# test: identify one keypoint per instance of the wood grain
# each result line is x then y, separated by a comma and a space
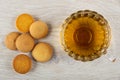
61, 67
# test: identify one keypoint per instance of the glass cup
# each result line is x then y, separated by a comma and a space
85, 35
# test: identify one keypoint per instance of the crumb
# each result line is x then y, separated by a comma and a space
114, 60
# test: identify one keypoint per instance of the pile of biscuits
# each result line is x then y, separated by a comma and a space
24, 41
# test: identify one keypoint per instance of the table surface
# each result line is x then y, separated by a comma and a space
61, 66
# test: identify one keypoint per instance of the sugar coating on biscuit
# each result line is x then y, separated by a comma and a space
42, 52
25, 42
22, 63
10, 40
23, 22
38, 29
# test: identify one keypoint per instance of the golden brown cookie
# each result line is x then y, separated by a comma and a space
25, 42
22, 63
10, 40
23, 22
38, 29
42, 52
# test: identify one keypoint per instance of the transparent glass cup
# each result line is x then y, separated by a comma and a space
85, 35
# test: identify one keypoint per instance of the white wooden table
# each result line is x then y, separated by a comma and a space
61, 67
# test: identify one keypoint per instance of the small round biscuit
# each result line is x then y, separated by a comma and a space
42, 52
23, 22
10, 40
38, 29
22, 63
25, 42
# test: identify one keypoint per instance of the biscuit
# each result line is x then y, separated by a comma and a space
22, 63
25, 42
23, 22
42, 52
38, 29
10, 40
